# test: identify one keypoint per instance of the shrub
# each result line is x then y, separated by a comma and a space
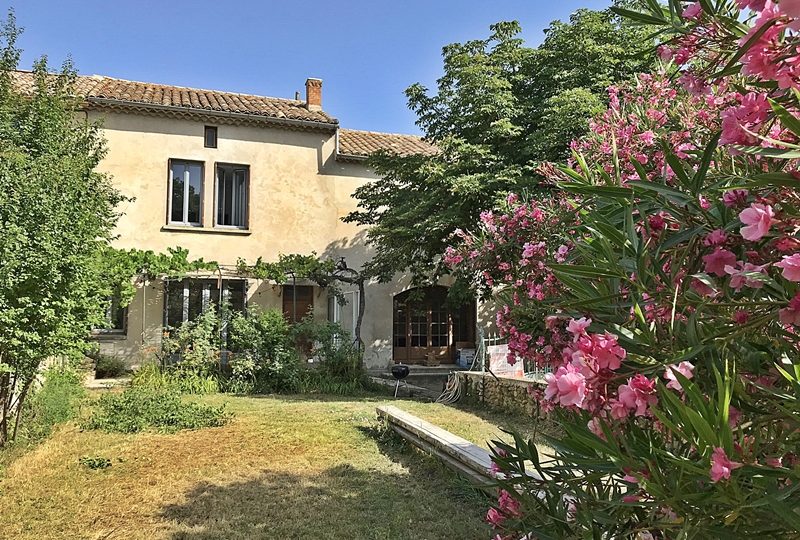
153, 375
670, 309
194, 346
108, 367
261, 359
56, 401
341, 370
140, 408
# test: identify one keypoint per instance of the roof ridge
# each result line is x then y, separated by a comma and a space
383, 133
193, 88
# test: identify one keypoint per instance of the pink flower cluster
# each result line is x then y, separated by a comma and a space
654, 110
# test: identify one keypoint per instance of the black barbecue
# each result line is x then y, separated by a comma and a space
399, 372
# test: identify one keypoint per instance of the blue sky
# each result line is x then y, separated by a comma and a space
366, 52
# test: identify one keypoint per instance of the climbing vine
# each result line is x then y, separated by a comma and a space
324, 272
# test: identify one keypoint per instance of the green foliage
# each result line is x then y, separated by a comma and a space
124, 269
55, 402
139, 409
153, 375
56, 217
304, 266
109, 367
500, 108
341, 368
263, 358
567, 116
95, 463
194, 346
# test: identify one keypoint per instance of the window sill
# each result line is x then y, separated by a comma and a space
206, 230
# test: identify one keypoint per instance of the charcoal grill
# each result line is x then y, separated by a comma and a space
400, 372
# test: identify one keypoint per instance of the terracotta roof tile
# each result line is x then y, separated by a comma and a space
360, 144
143, 94
353, 144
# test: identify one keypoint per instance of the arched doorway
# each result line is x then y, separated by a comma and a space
424, 324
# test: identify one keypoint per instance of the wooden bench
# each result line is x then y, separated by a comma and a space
466, 458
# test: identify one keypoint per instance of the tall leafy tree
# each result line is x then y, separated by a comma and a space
56, 216
499, 110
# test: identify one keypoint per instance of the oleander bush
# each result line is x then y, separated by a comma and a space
660, 281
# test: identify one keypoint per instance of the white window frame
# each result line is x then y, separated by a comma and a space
217, 201
337, 310
185, 221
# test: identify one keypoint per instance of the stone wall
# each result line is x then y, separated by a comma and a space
501, 393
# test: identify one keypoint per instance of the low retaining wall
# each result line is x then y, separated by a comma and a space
507, 394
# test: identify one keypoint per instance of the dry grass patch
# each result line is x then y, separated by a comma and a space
283, 468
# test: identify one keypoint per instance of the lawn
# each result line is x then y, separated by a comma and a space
285, 467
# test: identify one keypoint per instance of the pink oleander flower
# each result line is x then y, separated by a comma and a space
452, 257
739, 277
703, 289
740, 316
567, 386
721, 466
757, 220
495, 517
735, 197
791, 267
606, 351
754, 5
791, 313
684, 368
561, 253
618, 409
596, 427
716, 261
692, 11
638, 394
790, 8
648, 137
578, 327
508, 504
717, 237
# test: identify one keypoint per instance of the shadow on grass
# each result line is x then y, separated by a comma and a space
340, 502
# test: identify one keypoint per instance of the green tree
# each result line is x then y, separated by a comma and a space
499, 110
56, 215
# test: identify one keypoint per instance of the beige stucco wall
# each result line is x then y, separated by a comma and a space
298, 193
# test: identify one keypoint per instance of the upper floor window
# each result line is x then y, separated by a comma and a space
232, 187
210, 137
185, 192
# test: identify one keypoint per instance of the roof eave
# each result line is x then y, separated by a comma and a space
291, 123
352, 158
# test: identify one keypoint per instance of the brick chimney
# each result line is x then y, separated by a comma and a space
314, 94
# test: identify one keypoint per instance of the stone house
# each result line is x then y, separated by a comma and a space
228, 175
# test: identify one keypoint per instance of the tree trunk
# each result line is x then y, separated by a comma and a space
6, 395
20, 403
362, 303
